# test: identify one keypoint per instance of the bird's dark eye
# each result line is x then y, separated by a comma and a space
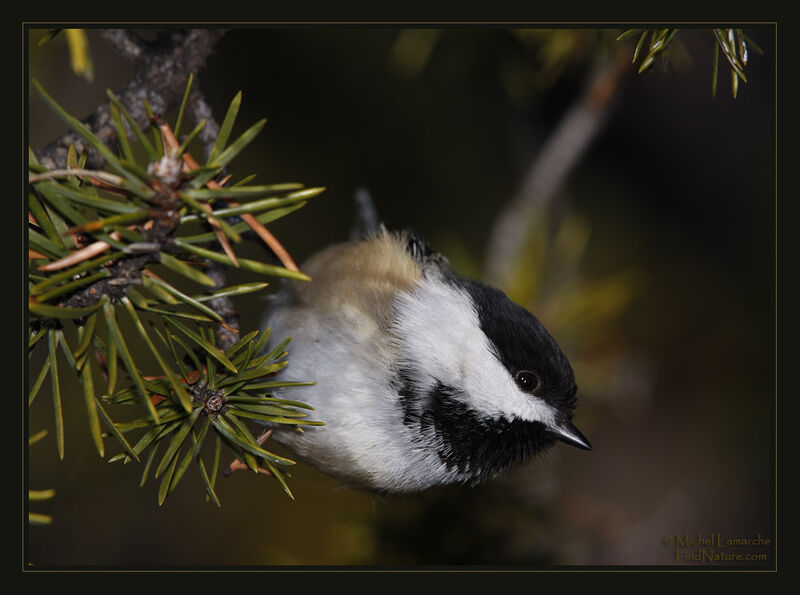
527, 381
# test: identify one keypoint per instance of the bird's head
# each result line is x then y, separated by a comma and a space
482, 375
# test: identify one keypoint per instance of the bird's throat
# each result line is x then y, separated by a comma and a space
473, 445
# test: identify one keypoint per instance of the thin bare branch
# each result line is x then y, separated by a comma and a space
547, 172
237, 465
200, 110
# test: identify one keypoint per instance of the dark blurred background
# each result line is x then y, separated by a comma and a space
653, 266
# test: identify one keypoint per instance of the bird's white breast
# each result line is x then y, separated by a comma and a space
339, 325
363, 441
369, 313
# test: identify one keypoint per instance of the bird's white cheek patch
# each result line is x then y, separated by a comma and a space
440, 337
494, 392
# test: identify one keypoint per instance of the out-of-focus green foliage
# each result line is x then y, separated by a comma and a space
548, 279
663, 43
35, 518
79, 53
412, 49
547, 53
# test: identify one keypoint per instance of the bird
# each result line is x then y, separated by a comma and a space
423, 377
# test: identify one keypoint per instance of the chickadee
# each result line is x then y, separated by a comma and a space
423, 377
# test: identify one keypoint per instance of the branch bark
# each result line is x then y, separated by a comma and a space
224, 307
124, 42
159, 77
200, 110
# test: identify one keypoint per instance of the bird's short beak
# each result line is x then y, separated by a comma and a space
568, 433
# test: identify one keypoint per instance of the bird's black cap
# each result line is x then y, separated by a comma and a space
521, 342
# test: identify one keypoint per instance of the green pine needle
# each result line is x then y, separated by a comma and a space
153, 154
179, 121
733, 43
56, 389
116, 337
203, 344
186, 270
68, 210
91, 408
179, 389
226, 127
185, 145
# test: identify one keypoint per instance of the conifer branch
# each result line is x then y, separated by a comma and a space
95, 239
160, 70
